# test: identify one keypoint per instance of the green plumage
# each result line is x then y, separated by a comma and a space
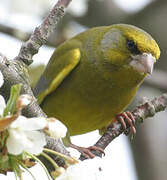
89, 80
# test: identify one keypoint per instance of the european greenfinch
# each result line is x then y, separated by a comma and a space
93, 76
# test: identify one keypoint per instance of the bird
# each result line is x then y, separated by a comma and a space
92, 77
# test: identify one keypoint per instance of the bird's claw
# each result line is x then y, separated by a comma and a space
86, 152
127, 116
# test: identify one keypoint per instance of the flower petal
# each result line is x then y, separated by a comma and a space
1, 79
16, 141
37, 123
38, 141
57, 129
2, 105
29, 124
88, 169
25, 99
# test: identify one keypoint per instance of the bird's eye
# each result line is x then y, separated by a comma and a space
132, 47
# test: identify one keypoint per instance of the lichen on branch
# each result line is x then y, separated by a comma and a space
42, 32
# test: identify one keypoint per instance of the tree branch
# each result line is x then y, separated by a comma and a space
140, 113
41, 33
15, 71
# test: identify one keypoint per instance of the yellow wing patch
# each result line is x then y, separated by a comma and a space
72, 58
67, 69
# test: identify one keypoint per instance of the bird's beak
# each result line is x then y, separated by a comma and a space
144, 63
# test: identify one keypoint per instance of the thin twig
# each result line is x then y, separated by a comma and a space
15, 71
148, 109
41, 33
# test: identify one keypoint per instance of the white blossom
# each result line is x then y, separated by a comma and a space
23, 135
85, 170
2, 105
56, 129
2, 101
25, 99
1, 79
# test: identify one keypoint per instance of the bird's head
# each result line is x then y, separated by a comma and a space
127, 45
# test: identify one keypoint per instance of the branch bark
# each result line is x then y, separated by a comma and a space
41, 33
15, 71
142, 112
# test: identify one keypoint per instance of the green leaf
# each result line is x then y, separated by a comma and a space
11, 104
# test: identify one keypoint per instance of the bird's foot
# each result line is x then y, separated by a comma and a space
86, 152
129, 118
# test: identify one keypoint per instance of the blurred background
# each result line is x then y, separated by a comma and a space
146, 156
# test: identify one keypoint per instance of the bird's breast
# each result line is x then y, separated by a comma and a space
87, 100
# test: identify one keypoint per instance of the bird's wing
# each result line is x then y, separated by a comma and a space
56, 71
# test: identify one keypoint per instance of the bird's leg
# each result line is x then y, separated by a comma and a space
86, 152
128, 117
